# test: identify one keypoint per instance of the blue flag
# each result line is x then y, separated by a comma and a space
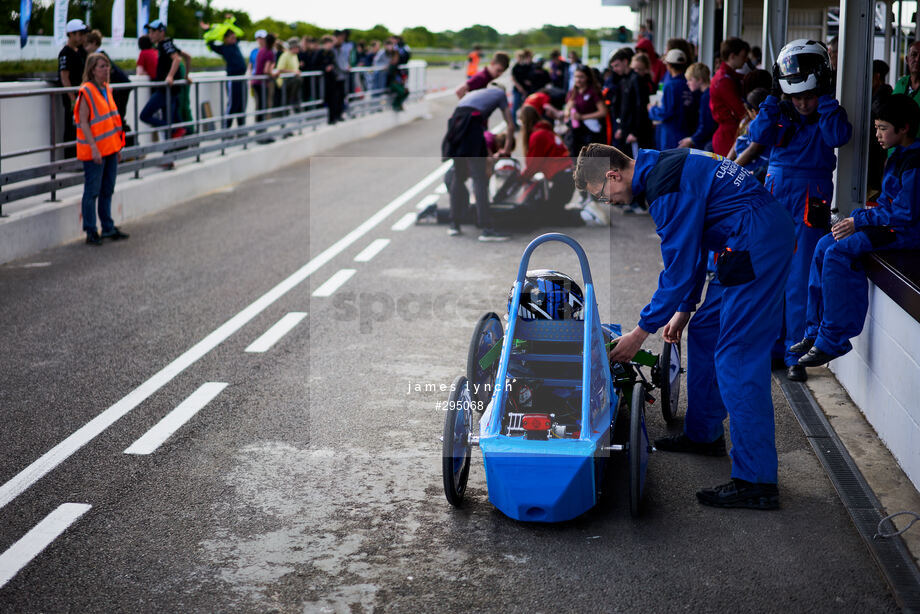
25, 16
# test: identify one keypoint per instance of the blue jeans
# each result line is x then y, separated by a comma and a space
99, 184
156, 107
517, 101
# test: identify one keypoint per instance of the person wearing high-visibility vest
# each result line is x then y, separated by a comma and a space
100, 139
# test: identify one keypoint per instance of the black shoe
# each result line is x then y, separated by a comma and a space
796, 373
803, 346
93, 238
428, 213
739, 493
115, 234
815, 358
777, 363
682, 443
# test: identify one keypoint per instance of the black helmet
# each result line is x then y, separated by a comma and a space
550, 295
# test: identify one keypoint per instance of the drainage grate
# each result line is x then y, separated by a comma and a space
891, 555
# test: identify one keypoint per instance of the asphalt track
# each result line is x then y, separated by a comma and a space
311, 481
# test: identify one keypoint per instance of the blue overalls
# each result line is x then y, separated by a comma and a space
837, 285
700, 203
800, 176
676, 102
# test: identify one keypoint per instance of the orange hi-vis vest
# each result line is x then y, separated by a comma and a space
104, 121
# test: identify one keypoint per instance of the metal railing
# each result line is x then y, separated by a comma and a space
206, 132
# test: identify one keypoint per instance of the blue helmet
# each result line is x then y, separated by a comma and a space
550, 295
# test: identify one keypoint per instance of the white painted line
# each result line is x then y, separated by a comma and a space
372, 250
173, 421
404, 222
334, 283
62, 451
38, 538
273, 334
431, 199
441, 189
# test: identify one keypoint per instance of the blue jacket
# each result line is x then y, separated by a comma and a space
705, 125
676, 99
899, 204
698, 201
802, 144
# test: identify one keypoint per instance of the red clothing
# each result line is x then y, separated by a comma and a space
148, 61
545, 152
538, 100
727, 107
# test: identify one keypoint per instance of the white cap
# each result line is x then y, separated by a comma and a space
76, 25
675, 56
261, 33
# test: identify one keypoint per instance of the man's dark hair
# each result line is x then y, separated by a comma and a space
623, 55
756, 79
501, 58
270, 40
595, 160
732, 46
880, 67
756, 54
144, 42
757, 96
900, 110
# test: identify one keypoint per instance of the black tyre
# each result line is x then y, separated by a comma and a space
669, 380
456, 448
638, 449
487, 334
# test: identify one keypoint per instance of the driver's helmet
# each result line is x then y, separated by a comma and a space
550, 295
506, 167
801, 66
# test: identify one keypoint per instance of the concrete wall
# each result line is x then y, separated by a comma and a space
49, 224
882, 376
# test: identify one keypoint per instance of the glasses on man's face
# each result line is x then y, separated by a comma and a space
601, 197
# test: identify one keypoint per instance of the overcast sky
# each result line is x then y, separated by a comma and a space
506, 16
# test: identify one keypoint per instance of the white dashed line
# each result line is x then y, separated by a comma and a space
431, 199
173, 421
40, 467
372, 250
273, 334
404, 222
334, 283
38, 538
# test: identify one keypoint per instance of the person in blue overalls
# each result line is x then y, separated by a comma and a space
803, 133
700, 203
673, 114
837, 286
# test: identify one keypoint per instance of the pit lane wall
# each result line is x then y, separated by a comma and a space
882, 376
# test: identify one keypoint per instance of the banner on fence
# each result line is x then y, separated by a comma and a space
164, 11
60, 23
25, 16
118, 21
143, 16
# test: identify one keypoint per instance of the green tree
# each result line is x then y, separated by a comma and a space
419, 37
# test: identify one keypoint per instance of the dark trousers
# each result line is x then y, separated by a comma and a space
70, 129
98, 186
335, 99
236, 102
154, 112
263, 100
474, 168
